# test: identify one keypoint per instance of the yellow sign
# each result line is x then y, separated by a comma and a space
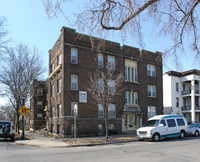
24, 110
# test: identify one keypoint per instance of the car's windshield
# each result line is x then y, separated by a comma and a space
151, 123
2, 124
193, 125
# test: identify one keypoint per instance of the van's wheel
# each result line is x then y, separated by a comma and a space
156, 137
182, 134
196, 133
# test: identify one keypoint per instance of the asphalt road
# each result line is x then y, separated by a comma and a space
170, 150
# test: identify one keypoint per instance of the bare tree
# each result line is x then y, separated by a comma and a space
21, 66
9, 113
176, 19
3, 34
105, 85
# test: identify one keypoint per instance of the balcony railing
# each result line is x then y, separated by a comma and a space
189, 108
197, 92
185, 108
185, 92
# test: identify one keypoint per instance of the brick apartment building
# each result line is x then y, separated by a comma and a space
72, 59
38, 101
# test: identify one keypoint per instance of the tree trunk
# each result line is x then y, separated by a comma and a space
106, 121
17, 125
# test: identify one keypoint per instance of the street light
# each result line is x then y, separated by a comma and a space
23, 123
75, 112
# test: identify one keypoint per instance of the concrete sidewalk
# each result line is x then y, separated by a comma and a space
38, 140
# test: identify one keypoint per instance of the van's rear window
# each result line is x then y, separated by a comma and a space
180, 122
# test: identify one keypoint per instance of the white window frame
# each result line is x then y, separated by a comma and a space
74, 82
59, 61
151, 70
100, 60
39, 116
100, 111
52, 112
100, 85
177, 87
131, 71
74, 55
111, 111
52, 91
59, 85
111, 62
59, 110
151, 111
39, 104
150, 90
131, 98
111, 87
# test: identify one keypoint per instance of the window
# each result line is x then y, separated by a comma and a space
177, 102
111, 111
111, 62
39, 92
100, 85
39, 116
72, 108
111, 127
74, 56
151, 111
131, 73
151, 91
163, 122
59, 129
59, 86
52, 112
74, 82
59, 110
39, 104
100, 111
131, 98
52, 67
100, 60
180, 122
111, 87
151, 70
100, 129
59, 59
52, 90
171, 123
177, 87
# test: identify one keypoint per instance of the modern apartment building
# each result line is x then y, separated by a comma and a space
38, 101
181, 93
71, 61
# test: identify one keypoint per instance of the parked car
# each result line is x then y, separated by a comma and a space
194, 129
7, 130
163, 126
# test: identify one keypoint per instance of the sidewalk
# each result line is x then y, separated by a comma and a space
38, 140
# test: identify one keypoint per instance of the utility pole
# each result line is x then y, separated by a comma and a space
23, 123
75, 112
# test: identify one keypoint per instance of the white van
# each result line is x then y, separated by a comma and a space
163, 126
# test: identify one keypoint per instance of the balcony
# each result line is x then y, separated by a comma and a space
185, 92
185, 108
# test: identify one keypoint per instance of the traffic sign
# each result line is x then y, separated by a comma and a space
24, 110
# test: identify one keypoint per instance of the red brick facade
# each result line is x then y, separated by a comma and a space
88, 48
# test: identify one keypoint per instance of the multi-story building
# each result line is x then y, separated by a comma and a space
71, 61
38, 101
181, 93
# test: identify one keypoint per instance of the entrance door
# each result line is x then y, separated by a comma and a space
131, 122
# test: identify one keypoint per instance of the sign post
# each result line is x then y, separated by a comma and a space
23, 111
75, 112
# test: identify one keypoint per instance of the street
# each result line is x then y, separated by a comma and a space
166, 150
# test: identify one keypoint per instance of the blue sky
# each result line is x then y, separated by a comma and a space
28, 23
